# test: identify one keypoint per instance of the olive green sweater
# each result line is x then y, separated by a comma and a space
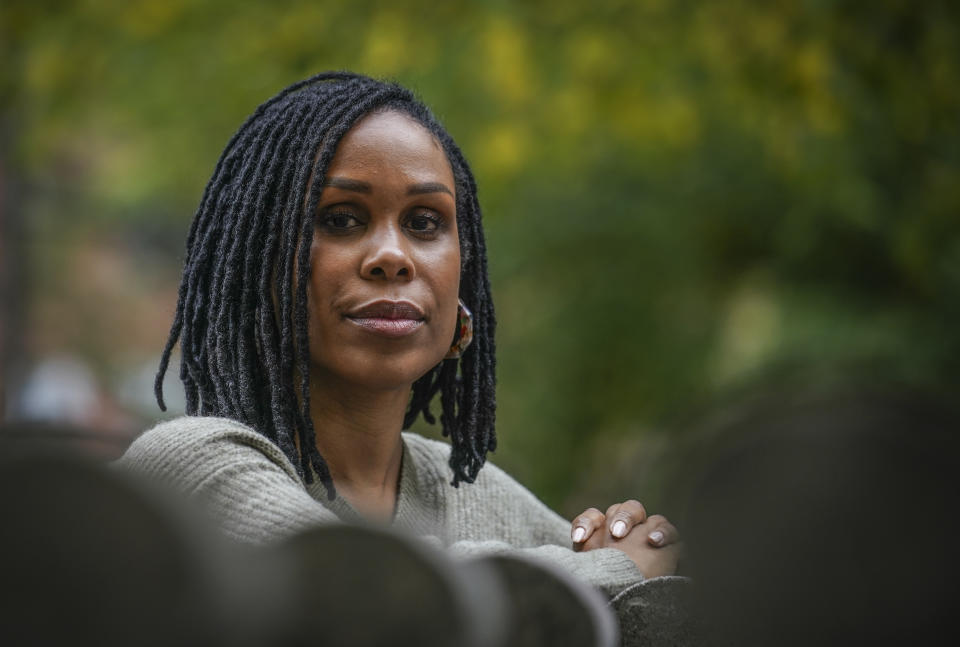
257, 497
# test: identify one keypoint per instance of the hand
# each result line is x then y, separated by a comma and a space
619, 521
651, 542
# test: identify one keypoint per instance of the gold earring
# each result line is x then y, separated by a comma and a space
464, 333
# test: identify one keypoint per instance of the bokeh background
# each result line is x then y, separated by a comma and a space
687, 203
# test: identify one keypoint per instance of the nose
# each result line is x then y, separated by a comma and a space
387, 256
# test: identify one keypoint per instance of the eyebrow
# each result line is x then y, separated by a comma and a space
359, 186
347, 184
428, 187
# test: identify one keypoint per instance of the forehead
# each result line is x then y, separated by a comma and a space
391, 142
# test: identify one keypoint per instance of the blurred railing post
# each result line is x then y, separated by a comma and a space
13, 271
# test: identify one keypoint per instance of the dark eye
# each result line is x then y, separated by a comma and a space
424, 223
338, 221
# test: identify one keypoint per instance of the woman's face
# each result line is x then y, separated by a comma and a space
385, 258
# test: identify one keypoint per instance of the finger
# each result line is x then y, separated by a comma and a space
611, 511
627, 515
661, 532
585, 525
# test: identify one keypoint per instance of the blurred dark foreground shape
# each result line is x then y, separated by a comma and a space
89, 557
351, 585
830, 521
547, 606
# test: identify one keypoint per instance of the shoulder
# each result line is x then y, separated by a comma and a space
189, 430
190, 447
435, 455
242, 478
426, 450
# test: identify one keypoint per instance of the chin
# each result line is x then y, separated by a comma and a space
379, 372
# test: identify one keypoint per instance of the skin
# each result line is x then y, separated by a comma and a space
652, 542
385, 229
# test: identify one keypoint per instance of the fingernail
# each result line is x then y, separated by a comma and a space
578, 534
619, 529
656, 536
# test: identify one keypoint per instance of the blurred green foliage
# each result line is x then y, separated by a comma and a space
684, 200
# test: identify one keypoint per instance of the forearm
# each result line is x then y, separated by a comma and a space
608, 570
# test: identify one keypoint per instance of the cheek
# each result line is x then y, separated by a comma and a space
447, 282
327, 265
449, 294
325, 269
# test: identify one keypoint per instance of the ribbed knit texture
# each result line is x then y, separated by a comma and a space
256, 496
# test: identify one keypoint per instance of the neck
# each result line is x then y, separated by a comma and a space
358, 434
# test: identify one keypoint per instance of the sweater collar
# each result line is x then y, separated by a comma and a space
416, 508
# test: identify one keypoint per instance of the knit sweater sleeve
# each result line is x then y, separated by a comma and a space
607, 569
242, 478
496, 514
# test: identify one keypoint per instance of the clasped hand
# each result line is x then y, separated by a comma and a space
651, 542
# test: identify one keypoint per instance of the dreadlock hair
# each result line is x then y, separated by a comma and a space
241, 317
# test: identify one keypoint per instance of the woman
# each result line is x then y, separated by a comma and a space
335, 281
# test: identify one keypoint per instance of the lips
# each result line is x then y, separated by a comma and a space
388, 318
